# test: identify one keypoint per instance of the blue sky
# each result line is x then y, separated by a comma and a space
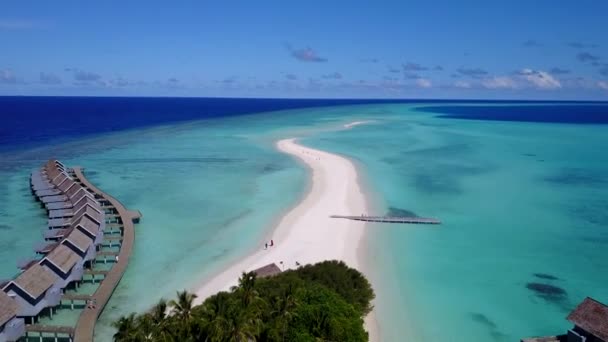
345, 49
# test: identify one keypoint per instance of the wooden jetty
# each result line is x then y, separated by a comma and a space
390, 219
86, 322
49, 329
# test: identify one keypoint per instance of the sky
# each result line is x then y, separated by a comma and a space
306, 49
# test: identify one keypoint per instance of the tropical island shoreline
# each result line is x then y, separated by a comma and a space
306, 234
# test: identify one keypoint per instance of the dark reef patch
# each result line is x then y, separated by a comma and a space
489, 324
577, 177
483, 319
269, 168
594, 212
185, 160
445, 150
550, 293
435, 184
5, 227
394, 211
545, 276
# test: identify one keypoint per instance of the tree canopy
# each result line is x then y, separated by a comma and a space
326, 301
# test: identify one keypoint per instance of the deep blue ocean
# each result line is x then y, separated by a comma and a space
31, 121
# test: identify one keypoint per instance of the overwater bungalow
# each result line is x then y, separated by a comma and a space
88, 210
74, 208
74, 195
65, 263
41, 184
11, 326
590, 319
91, 228
33, 290
81, 244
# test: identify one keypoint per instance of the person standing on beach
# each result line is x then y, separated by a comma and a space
271, 243
266, 245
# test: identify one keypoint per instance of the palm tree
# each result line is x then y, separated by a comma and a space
284, 308
246, 288
211, 317
128, 330
243, 325
182, 307
159, 311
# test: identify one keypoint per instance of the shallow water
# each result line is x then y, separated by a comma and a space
524, 214
517, 199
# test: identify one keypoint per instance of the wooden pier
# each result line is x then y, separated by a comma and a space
48, 329
86, 323
390, 219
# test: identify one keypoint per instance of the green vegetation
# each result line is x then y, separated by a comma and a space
322, 302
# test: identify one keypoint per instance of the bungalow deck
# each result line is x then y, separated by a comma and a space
88, 318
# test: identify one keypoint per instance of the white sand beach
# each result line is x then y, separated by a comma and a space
306, 234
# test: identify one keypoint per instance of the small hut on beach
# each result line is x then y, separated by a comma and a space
267, 271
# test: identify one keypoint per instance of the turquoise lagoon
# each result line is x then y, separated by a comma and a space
522, 204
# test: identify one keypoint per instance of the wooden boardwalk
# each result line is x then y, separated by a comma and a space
390, 219
86, 323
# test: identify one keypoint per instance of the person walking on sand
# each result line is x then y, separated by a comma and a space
271, 243
266, 245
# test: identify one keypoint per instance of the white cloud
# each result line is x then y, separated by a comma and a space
7, 76
603, 85
540, 79
9, 24
462, 84
423, 83
499, 82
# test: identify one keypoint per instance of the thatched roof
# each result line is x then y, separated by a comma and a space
35, 280
63, 257
592, 316
267, 271
79, 240
8, 308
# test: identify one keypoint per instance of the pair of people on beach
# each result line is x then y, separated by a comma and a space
271, 244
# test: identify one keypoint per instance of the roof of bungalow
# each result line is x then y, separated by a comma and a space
56, 179
8, 308
72, 191
65, 186
267, 271
592, 316
90, 212
86, 200
89, 225
80, 193
35, 280
53, 172
63, 257
79, 240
